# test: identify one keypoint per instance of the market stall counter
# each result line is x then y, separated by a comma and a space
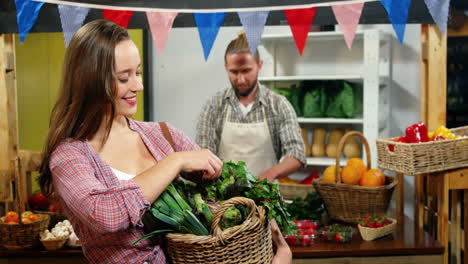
404, 245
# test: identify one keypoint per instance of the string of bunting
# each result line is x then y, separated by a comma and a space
209, 21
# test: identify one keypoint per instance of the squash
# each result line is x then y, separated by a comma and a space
351, 148
333, 140
318, 142
305, 138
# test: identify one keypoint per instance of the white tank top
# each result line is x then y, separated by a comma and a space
122, 175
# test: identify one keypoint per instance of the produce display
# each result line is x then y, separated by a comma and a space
355, 172
310, 208
307, 232
337, 233
375, 221
12, 217
187, 207
373, 227
338, 99
62, 233
326, 143
417, 133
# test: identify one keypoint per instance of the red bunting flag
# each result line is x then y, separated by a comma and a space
299, 21
121, 18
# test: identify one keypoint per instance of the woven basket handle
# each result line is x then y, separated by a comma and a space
215, 225
340, 148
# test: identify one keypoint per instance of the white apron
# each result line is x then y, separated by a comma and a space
249, 142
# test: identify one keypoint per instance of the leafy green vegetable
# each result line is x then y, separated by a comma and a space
286, 92
341, 102
231, 217
309, 208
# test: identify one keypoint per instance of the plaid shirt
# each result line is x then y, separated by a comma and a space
281, 118
104, 211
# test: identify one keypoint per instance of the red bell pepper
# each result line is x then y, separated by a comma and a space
308, 180
402, 139
416, 133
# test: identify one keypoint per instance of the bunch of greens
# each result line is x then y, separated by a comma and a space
309, 208
188, 207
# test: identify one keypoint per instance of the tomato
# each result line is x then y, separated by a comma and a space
11, 217
33, 217
38, 201
54, 207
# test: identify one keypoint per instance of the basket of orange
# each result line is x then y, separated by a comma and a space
22, 232
353, 192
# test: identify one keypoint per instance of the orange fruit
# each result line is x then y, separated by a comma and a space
329, 174
372, 178
358, 164
350, 175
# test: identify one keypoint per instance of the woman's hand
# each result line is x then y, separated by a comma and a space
283, 256
283, 252
201, 160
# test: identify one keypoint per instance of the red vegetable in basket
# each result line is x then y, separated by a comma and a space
416, 133
400, 139
308, 180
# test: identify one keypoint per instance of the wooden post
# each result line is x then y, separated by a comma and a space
433, 77
400, 200
8, 112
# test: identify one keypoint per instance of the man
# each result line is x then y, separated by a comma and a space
248, 122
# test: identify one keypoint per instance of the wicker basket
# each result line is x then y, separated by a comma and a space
369, 234
55, 217
418, 158
352, 203
289, 191
249, 242
20, 236
54, 244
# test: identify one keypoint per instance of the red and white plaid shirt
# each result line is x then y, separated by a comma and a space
104, 211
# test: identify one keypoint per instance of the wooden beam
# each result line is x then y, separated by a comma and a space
436, 78
8, 115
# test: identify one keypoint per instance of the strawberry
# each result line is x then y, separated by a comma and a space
306, 240
338, 237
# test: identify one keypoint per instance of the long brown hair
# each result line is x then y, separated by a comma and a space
87, 90
240, 45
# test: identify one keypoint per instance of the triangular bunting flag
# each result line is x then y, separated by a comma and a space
160, 24
72, 18
439, 10
121, 18
253, 23
397, 11
348, 18
208, 25
299, 21
27, 12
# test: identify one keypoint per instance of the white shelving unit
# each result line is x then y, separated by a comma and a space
326, 57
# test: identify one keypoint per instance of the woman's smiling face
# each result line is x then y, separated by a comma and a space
128, 78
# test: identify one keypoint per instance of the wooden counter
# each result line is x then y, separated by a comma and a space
403, 246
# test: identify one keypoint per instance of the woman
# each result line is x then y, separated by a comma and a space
106, 168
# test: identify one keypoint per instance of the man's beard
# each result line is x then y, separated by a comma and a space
245, 93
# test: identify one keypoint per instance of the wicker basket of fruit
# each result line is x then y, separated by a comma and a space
22, 232
355, 191
375, 227
421, 152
